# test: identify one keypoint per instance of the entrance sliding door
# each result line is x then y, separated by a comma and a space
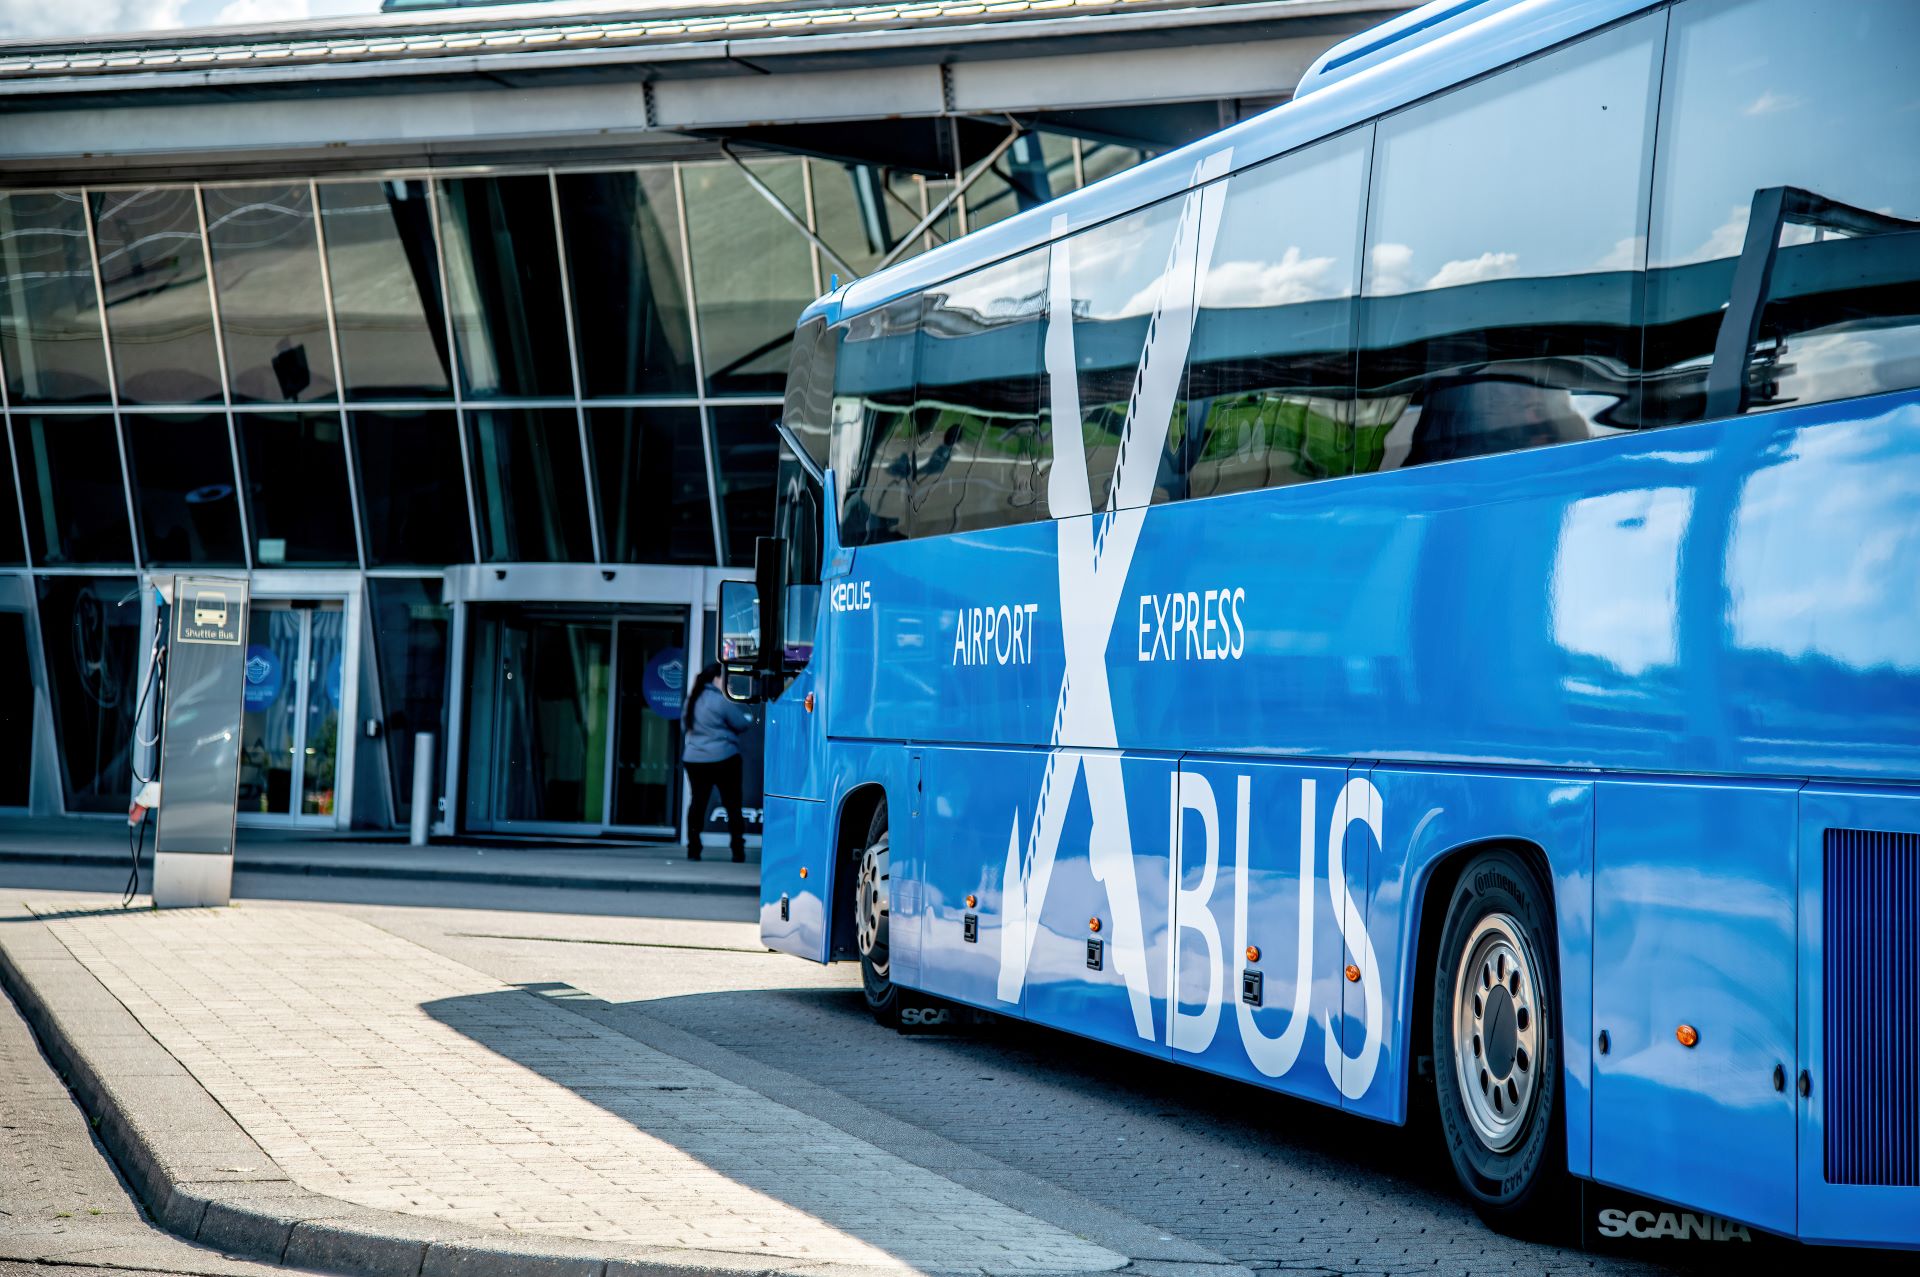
573, 726
290, 733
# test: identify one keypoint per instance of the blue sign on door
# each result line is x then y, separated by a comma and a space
664, 682
263, 677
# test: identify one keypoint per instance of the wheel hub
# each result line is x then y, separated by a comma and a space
1497, 1030
871, 906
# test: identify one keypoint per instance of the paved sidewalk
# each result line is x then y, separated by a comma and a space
374, 1072
580, 866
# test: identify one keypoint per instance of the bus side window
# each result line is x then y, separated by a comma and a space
872, 431
1270, 374
983, 451
1765, 95
1504, 266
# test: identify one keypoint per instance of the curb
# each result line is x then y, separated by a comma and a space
401, 873
203, 1178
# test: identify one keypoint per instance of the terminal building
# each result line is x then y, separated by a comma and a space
461, 331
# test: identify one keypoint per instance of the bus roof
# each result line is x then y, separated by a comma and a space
1411, 57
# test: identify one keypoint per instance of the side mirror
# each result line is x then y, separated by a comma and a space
739, 647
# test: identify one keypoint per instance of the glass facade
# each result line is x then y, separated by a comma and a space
392, 373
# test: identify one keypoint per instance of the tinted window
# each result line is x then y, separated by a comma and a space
752, 272
71, 489
299, 509
385, 274
410, 647
183, 487
859, 213
273, 311
808, 411
629, 299
49, 314
91, 644
1503, 271
158, 311
412, 488
1270, 374
12, 549
872, 433
650, 466
746, 455
530, 488
982, 456
1820, 100
1123, 275
503, 278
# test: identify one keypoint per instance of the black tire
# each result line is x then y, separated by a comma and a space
871, 934
1496, 1047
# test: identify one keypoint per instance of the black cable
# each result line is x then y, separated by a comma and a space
136, 843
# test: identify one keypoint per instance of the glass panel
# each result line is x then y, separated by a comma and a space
12, 549
530, 486
808, 409
385, 273
272, 696
752, 273
183, 488
91, 645
158, 312
412, 487
983, 452
71, 489
552, 741
1123, 275
1101, 159
326, 652
1270, 373
857, 214
410, 627
1504, 259
16, 710
646, 742
273, 312
629, 299
1765, 94
797, 514
1035, 169
297, 497
651, 468
49, 313
746, 452
503, 275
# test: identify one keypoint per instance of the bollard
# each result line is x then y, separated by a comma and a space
422, 787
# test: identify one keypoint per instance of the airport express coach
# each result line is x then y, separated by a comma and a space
1413, 595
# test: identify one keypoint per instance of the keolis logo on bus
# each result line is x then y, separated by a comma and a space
1094, 557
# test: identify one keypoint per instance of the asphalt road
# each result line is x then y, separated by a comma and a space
1267, 1182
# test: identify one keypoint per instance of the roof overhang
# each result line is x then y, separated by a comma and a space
276, 105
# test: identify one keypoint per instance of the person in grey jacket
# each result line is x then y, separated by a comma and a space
713, 726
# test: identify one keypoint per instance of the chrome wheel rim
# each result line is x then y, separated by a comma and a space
1496, 1030
870, 906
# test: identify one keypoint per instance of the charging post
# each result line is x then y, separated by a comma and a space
200, 742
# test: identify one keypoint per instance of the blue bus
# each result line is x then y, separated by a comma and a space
1408, 600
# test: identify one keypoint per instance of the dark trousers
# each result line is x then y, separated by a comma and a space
701, 778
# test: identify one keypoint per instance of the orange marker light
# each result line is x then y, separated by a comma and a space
808, 702
1093, 924
1253, 953
971, 902
803, 871
1353, 974
1687, 1035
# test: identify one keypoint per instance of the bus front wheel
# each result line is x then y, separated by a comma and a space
871, 909
1496, 1046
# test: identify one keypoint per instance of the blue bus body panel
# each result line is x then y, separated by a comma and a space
795, 833
1694, 924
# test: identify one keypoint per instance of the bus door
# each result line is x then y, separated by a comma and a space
1258, 953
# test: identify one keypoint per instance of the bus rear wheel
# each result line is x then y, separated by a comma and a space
1496, 1045
872, 883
